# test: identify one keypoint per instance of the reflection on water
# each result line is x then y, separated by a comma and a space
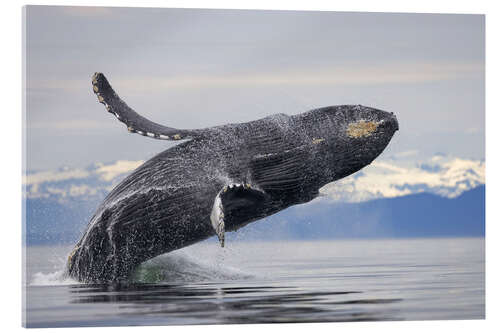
207, 303
273, 283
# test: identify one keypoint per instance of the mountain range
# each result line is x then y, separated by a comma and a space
393, 197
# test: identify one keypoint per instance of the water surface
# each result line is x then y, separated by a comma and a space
270, 282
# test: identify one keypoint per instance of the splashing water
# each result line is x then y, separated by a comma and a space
177, 267
182, 267
56, 278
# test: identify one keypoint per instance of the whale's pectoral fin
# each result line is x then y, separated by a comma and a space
234, 202
217, 219
134, 121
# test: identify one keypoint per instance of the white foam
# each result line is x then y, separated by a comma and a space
180, 266
56, 278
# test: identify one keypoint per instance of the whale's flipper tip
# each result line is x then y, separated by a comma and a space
217, 217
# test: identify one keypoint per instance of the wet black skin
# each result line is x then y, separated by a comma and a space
165, 204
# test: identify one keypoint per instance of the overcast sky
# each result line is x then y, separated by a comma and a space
198, 68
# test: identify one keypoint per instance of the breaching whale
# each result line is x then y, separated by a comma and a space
219, 179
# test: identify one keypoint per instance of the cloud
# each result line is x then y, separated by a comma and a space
104, 172
84, 11
97, 179
69, 125
402, 73
407, 153
81, 190
341, 75
472, 130
108, 172
54, 176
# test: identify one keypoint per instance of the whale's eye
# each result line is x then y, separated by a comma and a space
361, 128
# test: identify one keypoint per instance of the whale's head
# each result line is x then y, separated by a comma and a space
349, 137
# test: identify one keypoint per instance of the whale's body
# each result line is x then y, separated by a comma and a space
219, 180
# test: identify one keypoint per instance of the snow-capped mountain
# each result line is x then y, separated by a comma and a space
384, 199
443, 175
446, 176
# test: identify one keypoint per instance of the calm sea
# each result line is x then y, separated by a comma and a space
269, 282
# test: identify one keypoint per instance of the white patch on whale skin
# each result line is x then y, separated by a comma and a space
362, 128
217, 217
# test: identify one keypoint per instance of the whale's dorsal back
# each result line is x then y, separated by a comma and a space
134, 121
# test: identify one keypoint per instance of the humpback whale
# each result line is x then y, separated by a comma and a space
219, 179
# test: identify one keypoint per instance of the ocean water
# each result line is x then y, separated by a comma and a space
269, 282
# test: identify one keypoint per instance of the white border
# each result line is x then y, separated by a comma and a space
11, 153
